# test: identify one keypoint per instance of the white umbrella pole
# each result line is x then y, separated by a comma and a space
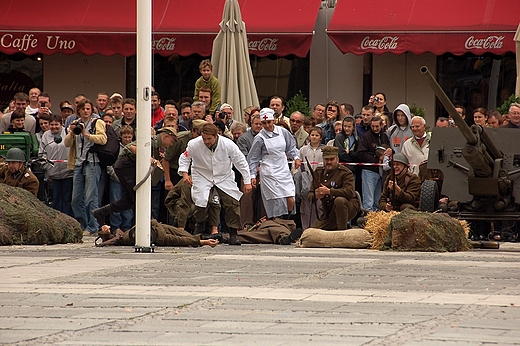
517, 45
144, 81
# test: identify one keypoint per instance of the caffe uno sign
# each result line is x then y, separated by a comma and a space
125, 44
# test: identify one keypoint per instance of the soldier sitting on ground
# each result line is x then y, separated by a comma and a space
334, 185
160, 235
402, 188
16, 174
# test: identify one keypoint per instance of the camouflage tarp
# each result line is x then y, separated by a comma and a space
26, 220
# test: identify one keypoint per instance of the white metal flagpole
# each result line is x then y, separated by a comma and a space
144, 82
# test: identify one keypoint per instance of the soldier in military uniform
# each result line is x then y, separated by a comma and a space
160, 235
15, 174
402, 188
336, 191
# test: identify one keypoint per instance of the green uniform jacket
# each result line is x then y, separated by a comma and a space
341, 184
171, 154
24, 179
410, 185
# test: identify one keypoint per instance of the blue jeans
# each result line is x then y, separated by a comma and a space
85, 195
122, 220
371, 188
62, 195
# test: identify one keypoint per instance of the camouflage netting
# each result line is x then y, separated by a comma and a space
26, 220
420, 231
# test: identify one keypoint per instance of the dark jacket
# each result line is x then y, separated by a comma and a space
341, 184
410, 185
341, 142
367, 148
24, 179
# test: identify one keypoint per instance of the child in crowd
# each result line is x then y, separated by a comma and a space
122, 220
308, 123
312, 153
347, 142
207, 80
337, 129
53, 147
18, 125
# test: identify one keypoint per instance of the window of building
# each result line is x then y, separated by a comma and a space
19, 73
476, 81
174, 76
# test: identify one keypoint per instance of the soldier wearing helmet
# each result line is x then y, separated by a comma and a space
15, 174
401, 188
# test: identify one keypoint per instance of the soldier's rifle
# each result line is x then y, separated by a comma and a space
316, 182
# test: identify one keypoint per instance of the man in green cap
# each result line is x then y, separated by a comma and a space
402, 188
336, 191
15, 174
126, 171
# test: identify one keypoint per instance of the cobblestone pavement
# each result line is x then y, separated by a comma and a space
77, 294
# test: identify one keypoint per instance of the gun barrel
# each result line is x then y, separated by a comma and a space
461, 124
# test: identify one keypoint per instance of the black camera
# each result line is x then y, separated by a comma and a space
376, 99
79, 126
223, 115
42, 104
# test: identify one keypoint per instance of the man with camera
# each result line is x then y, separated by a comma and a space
44, 108
226, 115
87, 171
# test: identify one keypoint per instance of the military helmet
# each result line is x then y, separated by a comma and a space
400, 157
15, 155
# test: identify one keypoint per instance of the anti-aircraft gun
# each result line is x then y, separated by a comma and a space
481, 168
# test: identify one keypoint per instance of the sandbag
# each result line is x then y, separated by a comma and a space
355, 238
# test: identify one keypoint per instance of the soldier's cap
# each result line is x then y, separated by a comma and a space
168, 130
329, 152
400, 157
266, 114
67, 106
198, 123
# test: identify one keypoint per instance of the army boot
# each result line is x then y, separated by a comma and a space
233, 237
101, 214
200, 228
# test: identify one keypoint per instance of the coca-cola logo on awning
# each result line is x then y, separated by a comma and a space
490, 42
164, 43
385, 43
267, 44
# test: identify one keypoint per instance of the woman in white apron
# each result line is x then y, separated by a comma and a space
270, 150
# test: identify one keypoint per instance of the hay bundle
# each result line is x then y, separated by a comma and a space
355, 238
377, 225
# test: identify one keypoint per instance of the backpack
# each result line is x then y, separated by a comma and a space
107, 153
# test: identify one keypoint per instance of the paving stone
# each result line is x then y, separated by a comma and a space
76, 294
22, 336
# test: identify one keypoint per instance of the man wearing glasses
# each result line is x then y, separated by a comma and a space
297, 129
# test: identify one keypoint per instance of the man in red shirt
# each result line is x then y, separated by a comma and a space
157, 111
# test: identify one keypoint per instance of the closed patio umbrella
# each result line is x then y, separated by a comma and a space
230, 59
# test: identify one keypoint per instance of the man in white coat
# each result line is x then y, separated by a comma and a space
212, 179
270, 150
